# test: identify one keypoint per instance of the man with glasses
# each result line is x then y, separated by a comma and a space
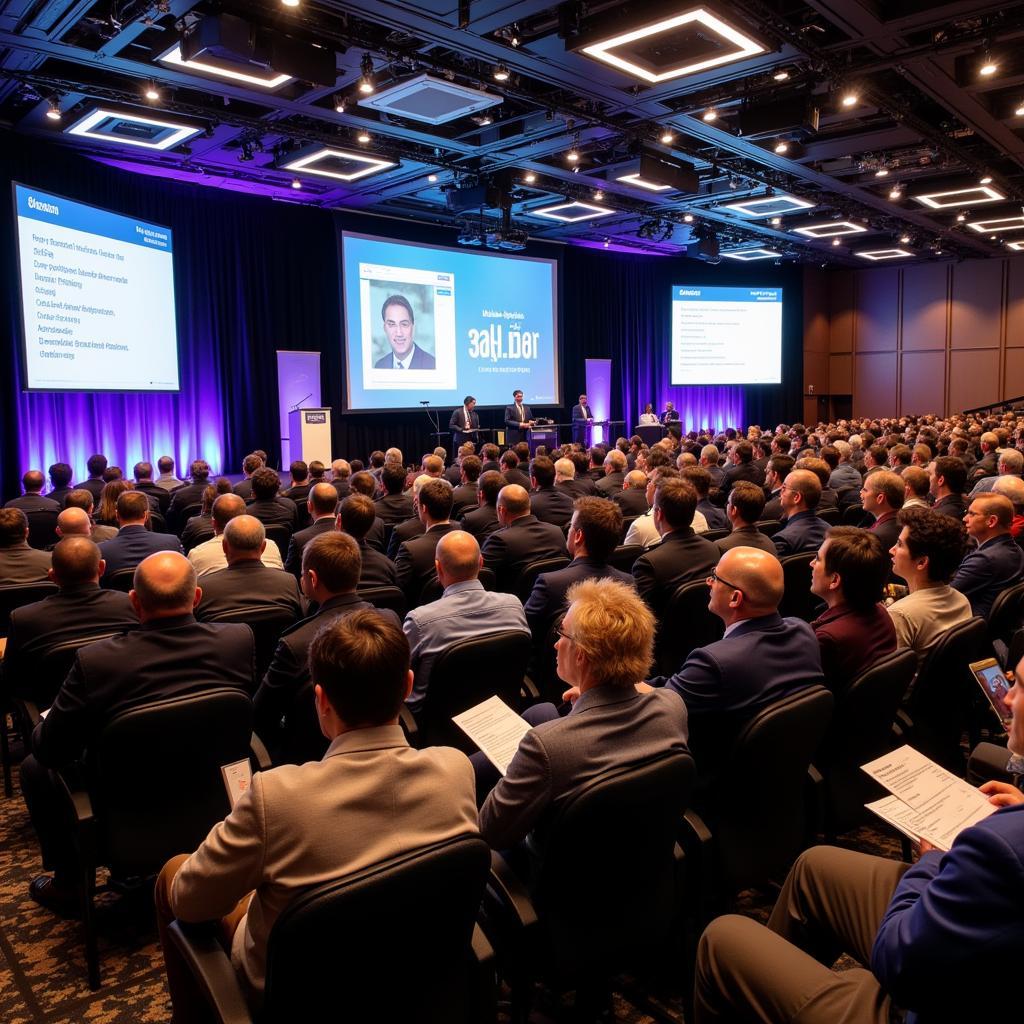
997, 562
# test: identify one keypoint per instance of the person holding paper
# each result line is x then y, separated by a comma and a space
929, 936
464, 423
518, 419
582, 417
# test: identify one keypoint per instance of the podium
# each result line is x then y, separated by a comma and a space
309, 435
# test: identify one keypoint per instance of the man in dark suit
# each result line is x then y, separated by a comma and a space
709, 456
465, 495
60, 482
571, 477
518, 419
247, 582
547, 502
996, 563
632, 499
510, 470
682, 556
414, 562
715, 517
134, 542
78, 610
464, 423
614, 474
188, 494
593, 535
356, 517
804, 529
482, 521
170, 655
321, 503
523, 539
331, 569
740, 466
269, 507
581, 416
32, 500
341, 472
376, 537
947, 480
396, 505
988, 464
94, 485
413, 526
143, 472
744, 508
882, 496
670, 415
400, 330
250, 464
298, 490
779, 467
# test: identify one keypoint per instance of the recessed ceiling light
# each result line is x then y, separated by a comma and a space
782, 146
776, 222
327, 162
530, 177
131, 129
882, 172
667, 137
830, 228
269, 80
986, 180
712, 31
688, 218
749, 255
896, 192
431, 178
651, 186
152, 93
363, 137
709, 115
850, 99
883, 254
768, 205
973, 196
835, 241
780, 76
572, 212
983, 227
501, 73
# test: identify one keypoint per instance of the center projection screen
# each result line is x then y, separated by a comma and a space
426, 323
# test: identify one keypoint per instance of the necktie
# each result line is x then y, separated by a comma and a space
522, 418
467, 419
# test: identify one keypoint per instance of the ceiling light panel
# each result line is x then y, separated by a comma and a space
650, 186
999, 224
684, 44
769, 206
1016, 246
883, 254
571, 213
129, 129
973, 196
750, 255
251, 75
831, 229
430, 100
338, 163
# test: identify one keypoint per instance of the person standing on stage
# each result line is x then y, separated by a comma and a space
581, 416
464, 422
517, 419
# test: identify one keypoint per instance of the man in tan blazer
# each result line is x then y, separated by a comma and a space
371, 797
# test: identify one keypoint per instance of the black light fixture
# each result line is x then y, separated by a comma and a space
501, 73
366, 85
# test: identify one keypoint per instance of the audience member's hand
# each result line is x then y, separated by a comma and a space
923, 847
1002, 794
571, 695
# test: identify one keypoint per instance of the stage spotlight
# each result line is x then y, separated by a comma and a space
289, 3
776, 222
1019, 112
366, 81
431, 178
882, 172
152, 93
339, 104
688, 218
985, 180
606, 242
363, 137
961, 217
850, 98
780, 76
988, 66
501, 73
782, 146
296, 183
896, 192
598, 195
667, 137
710, 115
905, 239
530, 177
835, 241
53, 111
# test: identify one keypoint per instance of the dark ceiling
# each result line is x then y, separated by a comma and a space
920, 116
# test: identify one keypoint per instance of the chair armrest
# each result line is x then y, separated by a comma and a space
987, 762
408, 724
483, 951
258, 753
78, 800
529, 689
212, 971
508, 891
30, 712
698, 850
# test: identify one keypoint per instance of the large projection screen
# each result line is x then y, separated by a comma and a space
426, 323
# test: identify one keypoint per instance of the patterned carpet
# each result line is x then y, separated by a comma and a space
42, 965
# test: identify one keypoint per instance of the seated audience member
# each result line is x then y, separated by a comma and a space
511, 472
188, 494
78, 610
1011, 463
341, 471
362, 482
412, 527
845, 476
948, 478
522, 539
395, 506
489, 458
882, 498
614, 473
414, 562
547, 502
927, 554
482, 521
106, 511
60, 482
899, 458
134, 542
321, 503
200, 528
330, 572
682, 556
593, 535
743, 508
709, 456
159, 497
1013, 488
171, 655
19, 563
298, 488
82, 499
32, 500
465, 495
246, 582
997, 562
924, 933
95, 464
779, 467
167, 479
605, 644
209, 556
463, 612
701, 480
268, 506
848, 574
916, 487
356, 517
282, 836
73, 522
820, 468
740, 466
580, 484
642, 530
317, 473
803, 529
632, 499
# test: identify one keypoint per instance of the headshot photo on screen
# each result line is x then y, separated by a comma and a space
404, 336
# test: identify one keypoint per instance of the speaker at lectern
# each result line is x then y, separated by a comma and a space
309, 435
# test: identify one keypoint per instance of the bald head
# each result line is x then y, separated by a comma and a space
74, 522
564, 470
1013, 488
244, 539
225, 508
323, 500
165, 586
457, 557
76, 560
758, 575
635, 480
514, 501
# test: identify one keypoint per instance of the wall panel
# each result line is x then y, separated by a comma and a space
878, 308
1015, 303
973, 378
976, 309
842, 307
925, 306
875, 390
923, 383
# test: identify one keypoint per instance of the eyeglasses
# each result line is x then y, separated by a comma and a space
565, 636
714, 577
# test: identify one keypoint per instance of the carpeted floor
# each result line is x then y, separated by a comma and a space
42, 966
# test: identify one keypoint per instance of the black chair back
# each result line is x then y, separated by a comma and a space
1007, 614
529, 574
861, 730
714, 535
686, 625
267, 625
757, 837
187, 513
331, 953
769, 527
623, 557
467, 673
797, 599
155, 778
280, 535
52, 667
18, 595
628, 816
853, 515
627, 522
122, 579
830, 514
157, 523
42, 529
385, 597
944, 696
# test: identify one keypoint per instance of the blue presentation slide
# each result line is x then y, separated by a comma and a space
726, 335
427, 323
97, 298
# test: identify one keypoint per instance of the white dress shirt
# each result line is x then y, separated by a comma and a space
209, 557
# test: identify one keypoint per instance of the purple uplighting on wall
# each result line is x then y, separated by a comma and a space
715, 406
